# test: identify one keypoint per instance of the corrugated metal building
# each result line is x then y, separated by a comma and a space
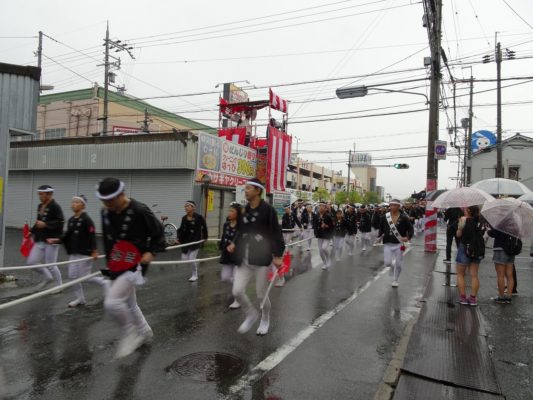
156, 168
19, 93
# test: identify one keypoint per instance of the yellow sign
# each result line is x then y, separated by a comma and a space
210, 200
1, 193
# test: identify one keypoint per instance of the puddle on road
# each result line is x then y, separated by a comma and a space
208, 367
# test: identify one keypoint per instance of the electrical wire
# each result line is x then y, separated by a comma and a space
517, 14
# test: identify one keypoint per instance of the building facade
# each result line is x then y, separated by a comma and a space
517, 153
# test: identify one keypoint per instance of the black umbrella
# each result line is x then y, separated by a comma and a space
432, 195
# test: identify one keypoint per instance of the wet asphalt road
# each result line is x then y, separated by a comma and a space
48, 351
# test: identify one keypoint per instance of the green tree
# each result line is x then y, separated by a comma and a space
370, 198
321, 194
355, 197
340, 197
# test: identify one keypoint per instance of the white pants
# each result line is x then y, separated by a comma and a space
44, 253
308, 234
79, 269
121, 303
227, 273
392, 251
287, 237
366, 238
323, 250
192, 255
243, 275
350, 242
338, 244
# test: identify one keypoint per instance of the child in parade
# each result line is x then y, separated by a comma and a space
193, 228
227, 259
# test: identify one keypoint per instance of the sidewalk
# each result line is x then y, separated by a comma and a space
462, 352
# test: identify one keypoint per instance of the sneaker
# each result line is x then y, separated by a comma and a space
147, 336
76, 303
499, 300
374, 244
447, 261
472, 301
508, 299
280, 282
248, 322
364, 248
128, 345
463, 300
325, 266
515, 293
350, 253
395, 284
193, 278
235, 305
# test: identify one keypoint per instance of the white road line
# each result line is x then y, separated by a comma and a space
284, 350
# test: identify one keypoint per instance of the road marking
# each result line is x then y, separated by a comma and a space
284, 350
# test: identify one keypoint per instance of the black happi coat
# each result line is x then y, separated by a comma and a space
340, 228
403, 224
289, 221
323, 233
52, 215
376, 220
365, 223
192, 231
351, 222
229, 234
136, 224
80, 237
306, 219
260, 234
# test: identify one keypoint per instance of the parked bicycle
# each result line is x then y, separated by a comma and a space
170, 230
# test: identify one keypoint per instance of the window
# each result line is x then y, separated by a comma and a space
55, 133
514, 173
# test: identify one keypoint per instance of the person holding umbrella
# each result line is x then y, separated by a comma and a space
470, 253
504, 250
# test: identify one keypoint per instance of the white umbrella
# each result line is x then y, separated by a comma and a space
462, 197
511, 216
528, 198
501, 186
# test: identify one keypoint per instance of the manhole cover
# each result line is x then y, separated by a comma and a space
208, 367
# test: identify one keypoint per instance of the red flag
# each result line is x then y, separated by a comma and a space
235, 135
279, 154
285, 266
27, 241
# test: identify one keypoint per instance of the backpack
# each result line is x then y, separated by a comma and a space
512, 245
476, 248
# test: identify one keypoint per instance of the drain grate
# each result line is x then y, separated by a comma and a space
208, 367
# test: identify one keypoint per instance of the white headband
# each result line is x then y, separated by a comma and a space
188, 203
48, 190
80, 199
112, 195
255, 184
395, 202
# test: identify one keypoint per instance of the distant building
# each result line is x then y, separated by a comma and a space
366, 177
80, 112
517, 152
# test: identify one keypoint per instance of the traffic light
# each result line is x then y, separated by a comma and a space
401, 166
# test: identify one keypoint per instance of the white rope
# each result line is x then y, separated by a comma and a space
183, 261
60, 263
48, 291
299, 241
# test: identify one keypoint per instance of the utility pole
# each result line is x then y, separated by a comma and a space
434, 12
106, 81
498, 57
146, 122
40, 58
469, 136
118, 46
349, 168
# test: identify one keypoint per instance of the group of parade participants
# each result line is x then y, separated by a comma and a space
252, 244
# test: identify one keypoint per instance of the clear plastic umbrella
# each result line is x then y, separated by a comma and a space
462, 197
511, 216
528, 198
502, 186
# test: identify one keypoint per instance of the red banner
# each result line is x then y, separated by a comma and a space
278, 156
277, 103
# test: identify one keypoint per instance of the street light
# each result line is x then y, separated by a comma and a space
206, 181
362, 90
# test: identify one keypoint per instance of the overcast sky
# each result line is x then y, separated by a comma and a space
190, 47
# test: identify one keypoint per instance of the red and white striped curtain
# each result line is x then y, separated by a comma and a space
278, 157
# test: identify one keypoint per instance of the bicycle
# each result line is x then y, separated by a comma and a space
170, 230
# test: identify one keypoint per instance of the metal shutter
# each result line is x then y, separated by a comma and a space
169, 189
64, 184
21, 200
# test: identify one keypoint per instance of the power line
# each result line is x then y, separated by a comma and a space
517, 14
67, 68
